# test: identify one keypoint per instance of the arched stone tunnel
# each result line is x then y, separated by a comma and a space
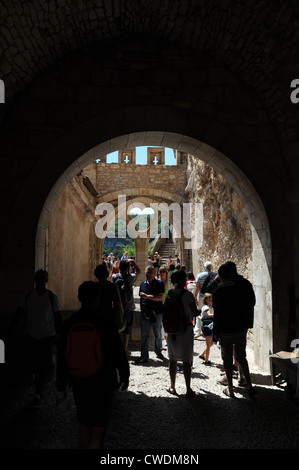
82, 81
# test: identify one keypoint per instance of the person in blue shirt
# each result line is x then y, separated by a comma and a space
151, 305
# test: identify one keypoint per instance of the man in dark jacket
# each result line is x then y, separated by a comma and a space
233, 305
93, 394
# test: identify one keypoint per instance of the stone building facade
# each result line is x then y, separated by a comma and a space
207, 79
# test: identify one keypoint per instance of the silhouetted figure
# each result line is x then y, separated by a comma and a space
109, 301
180, 345
41, 310
93, 391
233, 315
151, 297
128, 302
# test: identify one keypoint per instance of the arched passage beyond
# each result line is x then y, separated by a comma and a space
69, 147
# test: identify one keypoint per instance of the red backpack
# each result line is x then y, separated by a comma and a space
84, 355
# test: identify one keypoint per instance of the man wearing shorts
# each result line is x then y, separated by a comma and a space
93, 395
232, 317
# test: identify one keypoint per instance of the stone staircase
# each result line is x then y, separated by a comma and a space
166, 250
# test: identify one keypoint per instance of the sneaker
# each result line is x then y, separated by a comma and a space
140, 360
223, 381
160, 356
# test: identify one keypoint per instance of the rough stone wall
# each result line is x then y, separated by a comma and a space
70, 250
226, 229
115, 177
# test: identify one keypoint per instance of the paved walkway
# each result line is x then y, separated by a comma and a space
148, 417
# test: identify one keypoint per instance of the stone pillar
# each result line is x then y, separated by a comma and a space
141, 245
99, 242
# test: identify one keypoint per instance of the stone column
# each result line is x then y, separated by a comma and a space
141, 245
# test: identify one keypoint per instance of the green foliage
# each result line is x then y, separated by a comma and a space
150, 248
128, 246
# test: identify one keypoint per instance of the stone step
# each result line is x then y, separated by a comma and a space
166, 250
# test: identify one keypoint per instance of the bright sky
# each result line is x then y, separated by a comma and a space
141, 156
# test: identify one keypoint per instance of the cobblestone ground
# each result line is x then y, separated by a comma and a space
146, 416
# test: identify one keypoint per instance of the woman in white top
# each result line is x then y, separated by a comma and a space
207, 315
180, 346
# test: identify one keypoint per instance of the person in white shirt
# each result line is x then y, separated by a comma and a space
43, 318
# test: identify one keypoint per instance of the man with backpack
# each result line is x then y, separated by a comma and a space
90, 353
125, 281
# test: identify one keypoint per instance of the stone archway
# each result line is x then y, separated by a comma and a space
163, 200
261, 241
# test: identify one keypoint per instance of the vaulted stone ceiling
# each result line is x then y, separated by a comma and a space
258, 40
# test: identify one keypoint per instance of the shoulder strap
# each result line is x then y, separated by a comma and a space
206, 282
51, 295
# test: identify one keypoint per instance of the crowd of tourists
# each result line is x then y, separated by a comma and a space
93, 343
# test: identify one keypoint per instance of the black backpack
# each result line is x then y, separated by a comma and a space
174, 317
208, 281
